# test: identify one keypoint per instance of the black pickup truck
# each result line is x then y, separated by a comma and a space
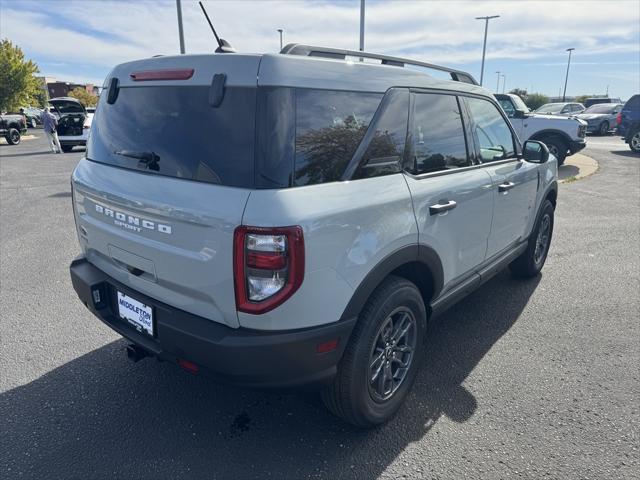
12, 126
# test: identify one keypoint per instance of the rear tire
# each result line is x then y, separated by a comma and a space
379, 364
13, 136
604, 128
557, 147
531, 261
66, 148
634, 141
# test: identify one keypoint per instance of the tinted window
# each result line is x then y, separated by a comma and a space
508, 107
329, 128
491, 132
633, 103
177, 128
385, 140
437, 135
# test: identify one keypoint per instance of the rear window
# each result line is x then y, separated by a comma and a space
173, 131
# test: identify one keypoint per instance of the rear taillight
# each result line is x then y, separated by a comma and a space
619, 118
268, 266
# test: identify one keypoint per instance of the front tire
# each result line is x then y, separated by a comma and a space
557, 147
13, 136
603, 129
634, 142
382, 358
531, 261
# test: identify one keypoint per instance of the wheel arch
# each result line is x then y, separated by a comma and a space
419, 264
551, 133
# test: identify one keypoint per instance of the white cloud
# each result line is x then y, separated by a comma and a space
436, 31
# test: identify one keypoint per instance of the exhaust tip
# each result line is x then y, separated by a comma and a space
135, 353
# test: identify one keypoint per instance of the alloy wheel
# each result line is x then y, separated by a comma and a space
542, 240
635, 142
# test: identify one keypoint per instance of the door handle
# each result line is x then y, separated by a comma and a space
505, 187
439, 208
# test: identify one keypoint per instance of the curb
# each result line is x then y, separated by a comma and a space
577, 167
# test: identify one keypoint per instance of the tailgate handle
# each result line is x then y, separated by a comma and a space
216, 92
135, 271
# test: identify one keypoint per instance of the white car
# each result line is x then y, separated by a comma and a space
563, 136
74, 122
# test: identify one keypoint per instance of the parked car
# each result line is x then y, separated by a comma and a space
563, 136
596, 100
12, 126
629, 123
600, 117
33, 116
565, 109
73, 122
304, 229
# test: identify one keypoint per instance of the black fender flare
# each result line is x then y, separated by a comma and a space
408, 254
550, 132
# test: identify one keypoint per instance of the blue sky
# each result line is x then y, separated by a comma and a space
80, 40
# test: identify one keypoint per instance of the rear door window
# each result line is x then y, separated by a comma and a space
174, 131
437, 134
329, 127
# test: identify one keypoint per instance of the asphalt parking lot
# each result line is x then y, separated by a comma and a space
534, 379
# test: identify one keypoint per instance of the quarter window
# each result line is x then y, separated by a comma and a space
437, 134
491, 132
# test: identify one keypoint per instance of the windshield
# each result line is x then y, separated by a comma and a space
601, 108
551, 107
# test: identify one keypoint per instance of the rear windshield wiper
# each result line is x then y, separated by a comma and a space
145, 159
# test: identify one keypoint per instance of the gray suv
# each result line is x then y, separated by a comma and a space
312, 220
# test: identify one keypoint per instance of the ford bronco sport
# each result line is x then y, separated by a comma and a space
305, 229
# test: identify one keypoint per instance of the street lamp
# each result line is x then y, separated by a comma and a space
564, 94
504, 82
361, 26
484, 46
280, 32
180, 30
498, 83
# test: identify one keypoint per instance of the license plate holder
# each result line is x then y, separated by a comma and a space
136, 313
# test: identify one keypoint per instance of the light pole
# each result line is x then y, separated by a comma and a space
484, 46
180, 31
498, 83
504, 82
361, 26
564, 93
280, 32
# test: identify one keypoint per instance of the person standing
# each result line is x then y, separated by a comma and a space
49, 124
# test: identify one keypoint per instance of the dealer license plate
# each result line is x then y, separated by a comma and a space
136, 313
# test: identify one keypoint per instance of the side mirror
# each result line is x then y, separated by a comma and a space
519, 114
535, 152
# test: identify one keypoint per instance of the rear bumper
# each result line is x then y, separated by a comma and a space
576, 145
238, 356
74, 141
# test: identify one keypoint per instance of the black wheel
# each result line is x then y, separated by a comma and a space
557, 147
66, 148
13, 136
634, 142
531, 261
604, 128
382, 358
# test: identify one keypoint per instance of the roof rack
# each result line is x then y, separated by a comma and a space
340, 54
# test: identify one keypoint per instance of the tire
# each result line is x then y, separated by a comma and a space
66, 148
603, 129
557, 147
13, 136
531, 261
358, 394
634, 141
33, 123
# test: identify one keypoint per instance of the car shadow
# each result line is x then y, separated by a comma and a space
100, 415
567, 171
28, 154
626, 153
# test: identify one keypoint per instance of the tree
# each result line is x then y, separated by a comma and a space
536, 100
19, 86
85, 97
582, 98
520, 92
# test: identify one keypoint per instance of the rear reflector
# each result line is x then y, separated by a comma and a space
188, 366
327, 346
182, 74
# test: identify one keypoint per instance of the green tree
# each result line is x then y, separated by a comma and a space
520, 92
582, 98
85, 97
18, 84
536, 100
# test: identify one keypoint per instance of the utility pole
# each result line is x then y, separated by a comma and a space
361, 26
498, 83
180, 30
566, 78
280, 32
484, 46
